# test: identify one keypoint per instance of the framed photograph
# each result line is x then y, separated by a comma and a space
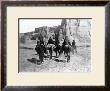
56, 45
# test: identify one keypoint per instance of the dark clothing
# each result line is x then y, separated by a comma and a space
63, 48
50, 41
66, 43
40, 50
57, 42
42, 42
73, 43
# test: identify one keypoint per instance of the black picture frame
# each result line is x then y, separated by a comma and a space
5, 4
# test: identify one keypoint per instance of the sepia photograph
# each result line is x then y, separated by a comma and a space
55, 45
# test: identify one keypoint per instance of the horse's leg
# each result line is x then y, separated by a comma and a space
56, 53
46, 52
40, 58
55, 50
73, 50
68, 57
60, 51
69, 53
50, 53
64, 52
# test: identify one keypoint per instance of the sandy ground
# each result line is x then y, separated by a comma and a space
79, 62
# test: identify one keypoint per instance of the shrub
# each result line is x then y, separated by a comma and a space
22, 39
33, 38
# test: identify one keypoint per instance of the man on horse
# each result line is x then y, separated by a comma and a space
57, 46
66, 43
40, 50
66, 47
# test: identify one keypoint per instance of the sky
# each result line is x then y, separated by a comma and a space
28, 25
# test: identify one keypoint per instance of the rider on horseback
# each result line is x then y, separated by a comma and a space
40, 50
66, 43
66, 47
57, 46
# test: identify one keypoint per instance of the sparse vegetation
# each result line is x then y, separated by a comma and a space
23, 39
33, 38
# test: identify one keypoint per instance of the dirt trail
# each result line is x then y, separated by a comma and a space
77, 63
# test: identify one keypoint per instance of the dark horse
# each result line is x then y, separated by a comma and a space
57, 47
40, 50
66, 48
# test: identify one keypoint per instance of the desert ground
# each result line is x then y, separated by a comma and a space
79, 62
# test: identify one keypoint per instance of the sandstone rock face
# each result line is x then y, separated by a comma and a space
77, 29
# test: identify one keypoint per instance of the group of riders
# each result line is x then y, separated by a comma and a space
43, 49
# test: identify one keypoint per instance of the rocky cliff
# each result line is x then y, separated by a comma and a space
77, 29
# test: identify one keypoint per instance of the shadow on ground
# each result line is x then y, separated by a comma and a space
38, 62
22, 47
58, 60
35, 61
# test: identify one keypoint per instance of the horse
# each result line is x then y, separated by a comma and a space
66, 48
57, 47
41, 50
